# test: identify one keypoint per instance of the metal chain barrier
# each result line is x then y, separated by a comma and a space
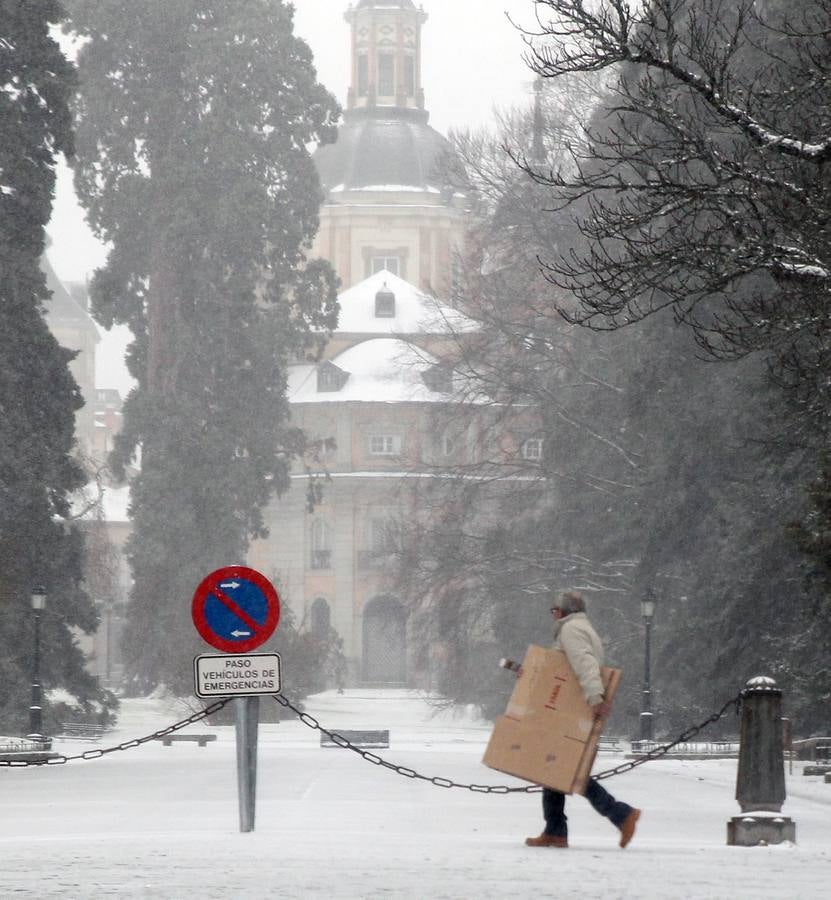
682, 738
127, 745
373, 758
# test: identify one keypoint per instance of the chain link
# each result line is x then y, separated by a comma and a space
682, 738
126, 745
438, 781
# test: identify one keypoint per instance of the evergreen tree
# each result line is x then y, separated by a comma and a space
660, 470
38, 396
193, 125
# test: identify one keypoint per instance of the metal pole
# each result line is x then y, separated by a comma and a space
247, 711
647, 728
36, 708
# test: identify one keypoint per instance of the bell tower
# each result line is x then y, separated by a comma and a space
386, 54
390, 204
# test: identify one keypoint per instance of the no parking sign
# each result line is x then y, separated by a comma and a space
235, 609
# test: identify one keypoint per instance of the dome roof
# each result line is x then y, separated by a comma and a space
384, 148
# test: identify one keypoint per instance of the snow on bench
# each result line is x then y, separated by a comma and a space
360, 738
201, 739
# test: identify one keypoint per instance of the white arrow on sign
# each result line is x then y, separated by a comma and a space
240, 634
230, 584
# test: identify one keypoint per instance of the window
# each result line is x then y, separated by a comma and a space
383, 535
320, 617
385, 444
438, 378
409, 75
385, 304
363, 75
321, 555
448, 444
391, 264
532, 449
330, 377
386, 75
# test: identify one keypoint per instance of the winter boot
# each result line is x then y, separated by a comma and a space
627, 828
547, 840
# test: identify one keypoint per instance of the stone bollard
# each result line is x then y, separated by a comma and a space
760, 784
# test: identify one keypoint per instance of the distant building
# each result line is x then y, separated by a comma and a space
68, 318
73, 328
382, 408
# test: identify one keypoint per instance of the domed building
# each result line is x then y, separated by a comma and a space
380, 405
389, 204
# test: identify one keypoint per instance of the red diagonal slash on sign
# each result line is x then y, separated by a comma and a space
236, 609
210, 587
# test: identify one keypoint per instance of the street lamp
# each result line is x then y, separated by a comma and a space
36, 709
647, 611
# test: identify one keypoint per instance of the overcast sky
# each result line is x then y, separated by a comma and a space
472, 61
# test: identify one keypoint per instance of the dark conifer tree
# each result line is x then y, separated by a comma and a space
38, 396
193, 128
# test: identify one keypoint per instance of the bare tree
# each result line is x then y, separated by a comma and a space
703, 185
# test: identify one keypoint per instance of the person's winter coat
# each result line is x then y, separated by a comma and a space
575, 636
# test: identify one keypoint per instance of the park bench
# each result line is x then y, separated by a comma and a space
818, 751
80, 731
201, 739
360, 738
610, 745
815, 749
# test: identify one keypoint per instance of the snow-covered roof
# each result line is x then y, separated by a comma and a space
415, 311
378, 370
115, 502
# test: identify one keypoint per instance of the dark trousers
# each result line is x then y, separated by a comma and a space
553, 808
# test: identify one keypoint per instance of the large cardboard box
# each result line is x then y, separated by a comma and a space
548, 734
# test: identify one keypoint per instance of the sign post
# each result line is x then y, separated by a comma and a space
236, 610
247, 711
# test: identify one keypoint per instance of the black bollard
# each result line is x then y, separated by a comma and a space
760, 784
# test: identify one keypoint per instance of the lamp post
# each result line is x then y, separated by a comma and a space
647, 611
38, 597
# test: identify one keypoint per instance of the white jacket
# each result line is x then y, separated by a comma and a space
575, 636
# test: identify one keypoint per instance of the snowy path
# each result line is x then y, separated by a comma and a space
160, 822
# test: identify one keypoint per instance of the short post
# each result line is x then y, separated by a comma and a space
760, 783
247, 711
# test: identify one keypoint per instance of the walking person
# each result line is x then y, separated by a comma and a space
575, 636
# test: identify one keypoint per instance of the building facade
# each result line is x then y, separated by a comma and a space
381, 413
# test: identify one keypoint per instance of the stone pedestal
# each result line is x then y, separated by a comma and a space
760, 828
760, 783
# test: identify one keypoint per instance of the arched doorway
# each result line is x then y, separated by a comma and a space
385, 650
320, 617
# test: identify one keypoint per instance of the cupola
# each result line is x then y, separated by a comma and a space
386, 54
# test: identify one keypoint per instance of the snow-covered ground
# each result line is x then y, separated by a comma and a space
156, 822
